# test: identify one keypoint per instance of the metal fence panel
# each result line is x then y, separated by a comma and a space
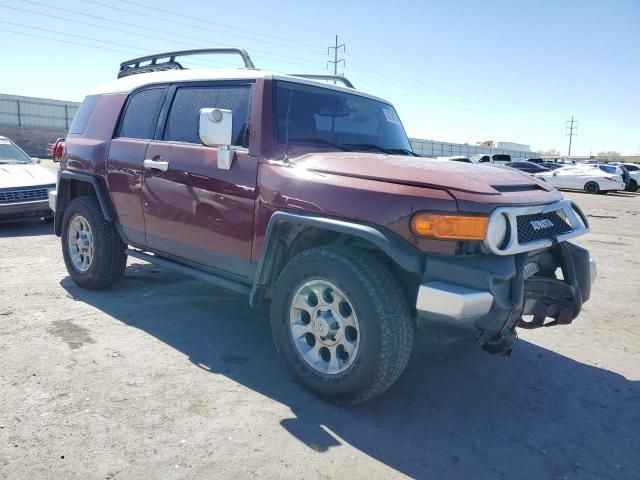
16, 110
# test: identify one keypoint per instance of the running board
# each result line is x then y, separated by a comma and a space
216, 280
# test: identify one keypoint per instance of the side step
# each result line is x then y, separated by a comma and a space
190, 271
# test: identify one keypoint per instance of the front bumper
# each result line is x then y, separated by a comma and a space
19, 210
486, 296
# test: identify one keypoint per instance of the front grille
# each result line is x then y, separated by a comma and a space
24, 195
541, 226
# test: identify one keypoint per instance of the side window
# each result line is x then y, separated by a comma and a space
141, 114
82, 116
184, 116
485, 159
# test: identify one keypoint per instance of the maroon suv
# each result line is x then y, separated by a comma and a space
307, 196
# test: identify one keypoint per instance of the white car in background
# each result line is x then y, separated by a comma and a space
24, 185
590, 178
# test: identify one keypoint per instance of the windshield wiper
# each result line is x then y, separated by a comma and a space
322, 141
388, 151
405, 152
367, 145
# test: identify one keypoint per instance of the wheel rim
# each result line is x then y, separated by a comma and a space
591, 188
324, 327
80, 243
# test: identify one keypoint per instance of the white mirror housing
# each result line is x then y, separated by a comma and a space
215, 130
215, 126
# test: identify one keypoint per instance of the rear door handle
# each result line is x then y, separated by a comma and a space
156, 164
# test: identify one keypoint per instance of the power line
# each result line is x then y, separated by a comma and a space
234, 27
335, 60
570, 131
137, 27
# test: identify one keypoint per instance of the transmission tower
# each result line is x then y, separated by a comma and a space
336, 61
572, 127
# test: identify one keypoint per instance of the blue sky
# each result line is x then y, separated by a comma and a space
458, 71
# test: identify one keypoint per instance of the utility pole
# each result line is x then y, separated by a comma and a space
336, 48
571, 131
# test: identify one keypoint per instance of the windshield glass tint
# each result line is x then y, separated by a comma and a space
324, 115
9, 153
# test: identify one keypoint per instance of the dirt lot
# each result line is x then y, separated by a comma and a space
167, 377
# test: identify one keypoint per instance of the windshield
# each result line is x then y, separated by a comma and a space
9, 153
306, 114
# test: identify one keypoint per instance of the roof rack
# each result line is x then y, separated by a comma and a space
133, 66
335, 78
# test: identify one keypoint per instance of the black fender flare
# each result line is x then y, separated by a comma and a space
63, 198
405, 255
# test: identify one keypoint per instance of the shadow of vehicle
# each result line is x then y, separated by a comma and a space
457, 412
26, 228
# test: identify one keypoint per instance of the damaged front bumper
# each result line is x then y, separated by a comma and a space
486, 296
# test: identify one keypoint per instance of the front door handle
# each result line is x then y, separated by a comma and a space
154, 164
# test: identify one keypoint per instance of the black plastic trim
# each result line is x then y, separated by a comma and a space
402, 253
65, 176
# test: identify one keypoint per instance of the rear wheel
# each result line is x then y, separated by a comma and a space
93, 252
342, 323
592, 187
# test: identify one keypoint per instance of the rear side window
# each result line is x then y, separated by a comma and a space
141, 114
82, 116
608, 169
184, 116
501, 158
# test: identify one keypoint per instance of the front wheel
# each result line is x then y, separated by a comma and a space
93, 252
632, 186
342, 323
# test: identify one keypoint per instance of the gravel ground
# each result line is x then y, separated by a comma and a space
168, 377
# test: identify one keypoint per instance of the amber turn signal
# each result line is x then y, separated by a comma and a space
449, 227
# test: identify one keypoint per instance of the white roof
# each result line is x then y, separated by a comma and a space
131, 82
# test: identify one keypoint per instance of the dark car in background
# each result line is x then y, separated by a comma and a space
527, 167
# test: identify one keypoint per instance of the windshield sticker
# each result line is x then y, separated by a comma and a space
391, 116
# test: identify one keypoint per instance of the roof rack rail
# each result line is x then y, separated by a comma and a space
133, 66
336, 78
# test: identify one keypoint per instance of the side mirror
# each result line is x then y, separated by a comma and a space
35, 160
215, 130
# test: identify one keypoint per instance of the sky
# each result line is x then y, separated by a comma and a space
457, 70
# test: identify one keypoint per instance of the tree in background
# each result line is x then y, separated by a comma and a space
552, 152
609, 156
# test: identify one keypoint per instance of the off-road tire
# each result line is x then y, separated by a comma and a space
382, 309
109, 258
591, 187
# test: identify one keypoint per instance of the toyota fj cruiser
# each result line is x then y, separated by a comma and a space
307, 195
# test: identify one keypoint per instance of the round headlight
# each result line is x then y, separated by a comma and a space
498, 231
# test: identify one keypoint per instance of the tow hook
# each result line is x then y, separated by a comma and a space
502, 342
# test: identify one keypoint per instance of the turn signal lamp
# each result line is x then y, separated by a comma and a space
449, 227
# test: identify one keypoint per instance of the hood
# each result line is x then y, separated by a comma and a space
25, 175
424, 172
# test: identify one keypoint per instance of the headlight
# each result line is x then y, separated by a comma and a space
497, 233
449, 227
